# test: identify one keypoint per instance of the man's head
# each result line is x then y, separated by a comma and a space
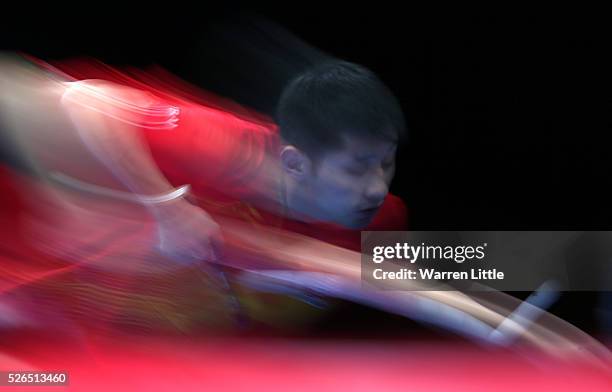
340, 127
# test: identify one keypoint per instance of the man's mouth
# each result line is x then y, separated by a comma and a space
369, 210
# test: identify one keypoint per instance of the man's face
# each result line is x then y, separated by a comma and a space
348, 185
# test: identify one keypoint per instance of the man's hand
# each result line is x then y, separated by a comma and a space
186, 233
110, 119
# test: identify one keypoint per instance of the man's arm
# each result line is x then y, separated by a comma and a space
45, 114
108, 118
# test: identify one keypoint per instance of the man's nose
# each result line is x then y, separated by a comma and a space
377, 189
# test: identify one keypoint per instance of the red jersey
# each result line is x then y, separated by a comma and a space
55, 249
219, 143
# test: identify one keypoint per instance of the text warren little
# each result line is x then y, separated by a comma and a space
432, 274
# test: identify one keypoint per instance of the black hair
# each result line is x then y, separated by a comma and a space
334, 98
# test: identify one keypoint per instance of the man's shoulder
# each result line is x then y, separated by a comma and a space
393, 215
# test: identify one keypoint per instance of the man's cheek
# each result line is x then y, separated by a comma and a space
348, 185
338, 198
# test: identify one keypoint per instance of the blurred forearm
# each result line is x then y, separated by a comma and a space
107, 118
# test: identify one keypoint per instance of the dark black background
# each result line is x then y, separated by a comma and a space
509, 113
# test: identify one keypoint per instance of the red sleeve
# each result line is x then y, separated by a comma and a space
393, 215
213, 151
218, 147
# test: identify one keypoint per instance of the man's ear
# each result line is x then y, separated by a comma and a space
295, 162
